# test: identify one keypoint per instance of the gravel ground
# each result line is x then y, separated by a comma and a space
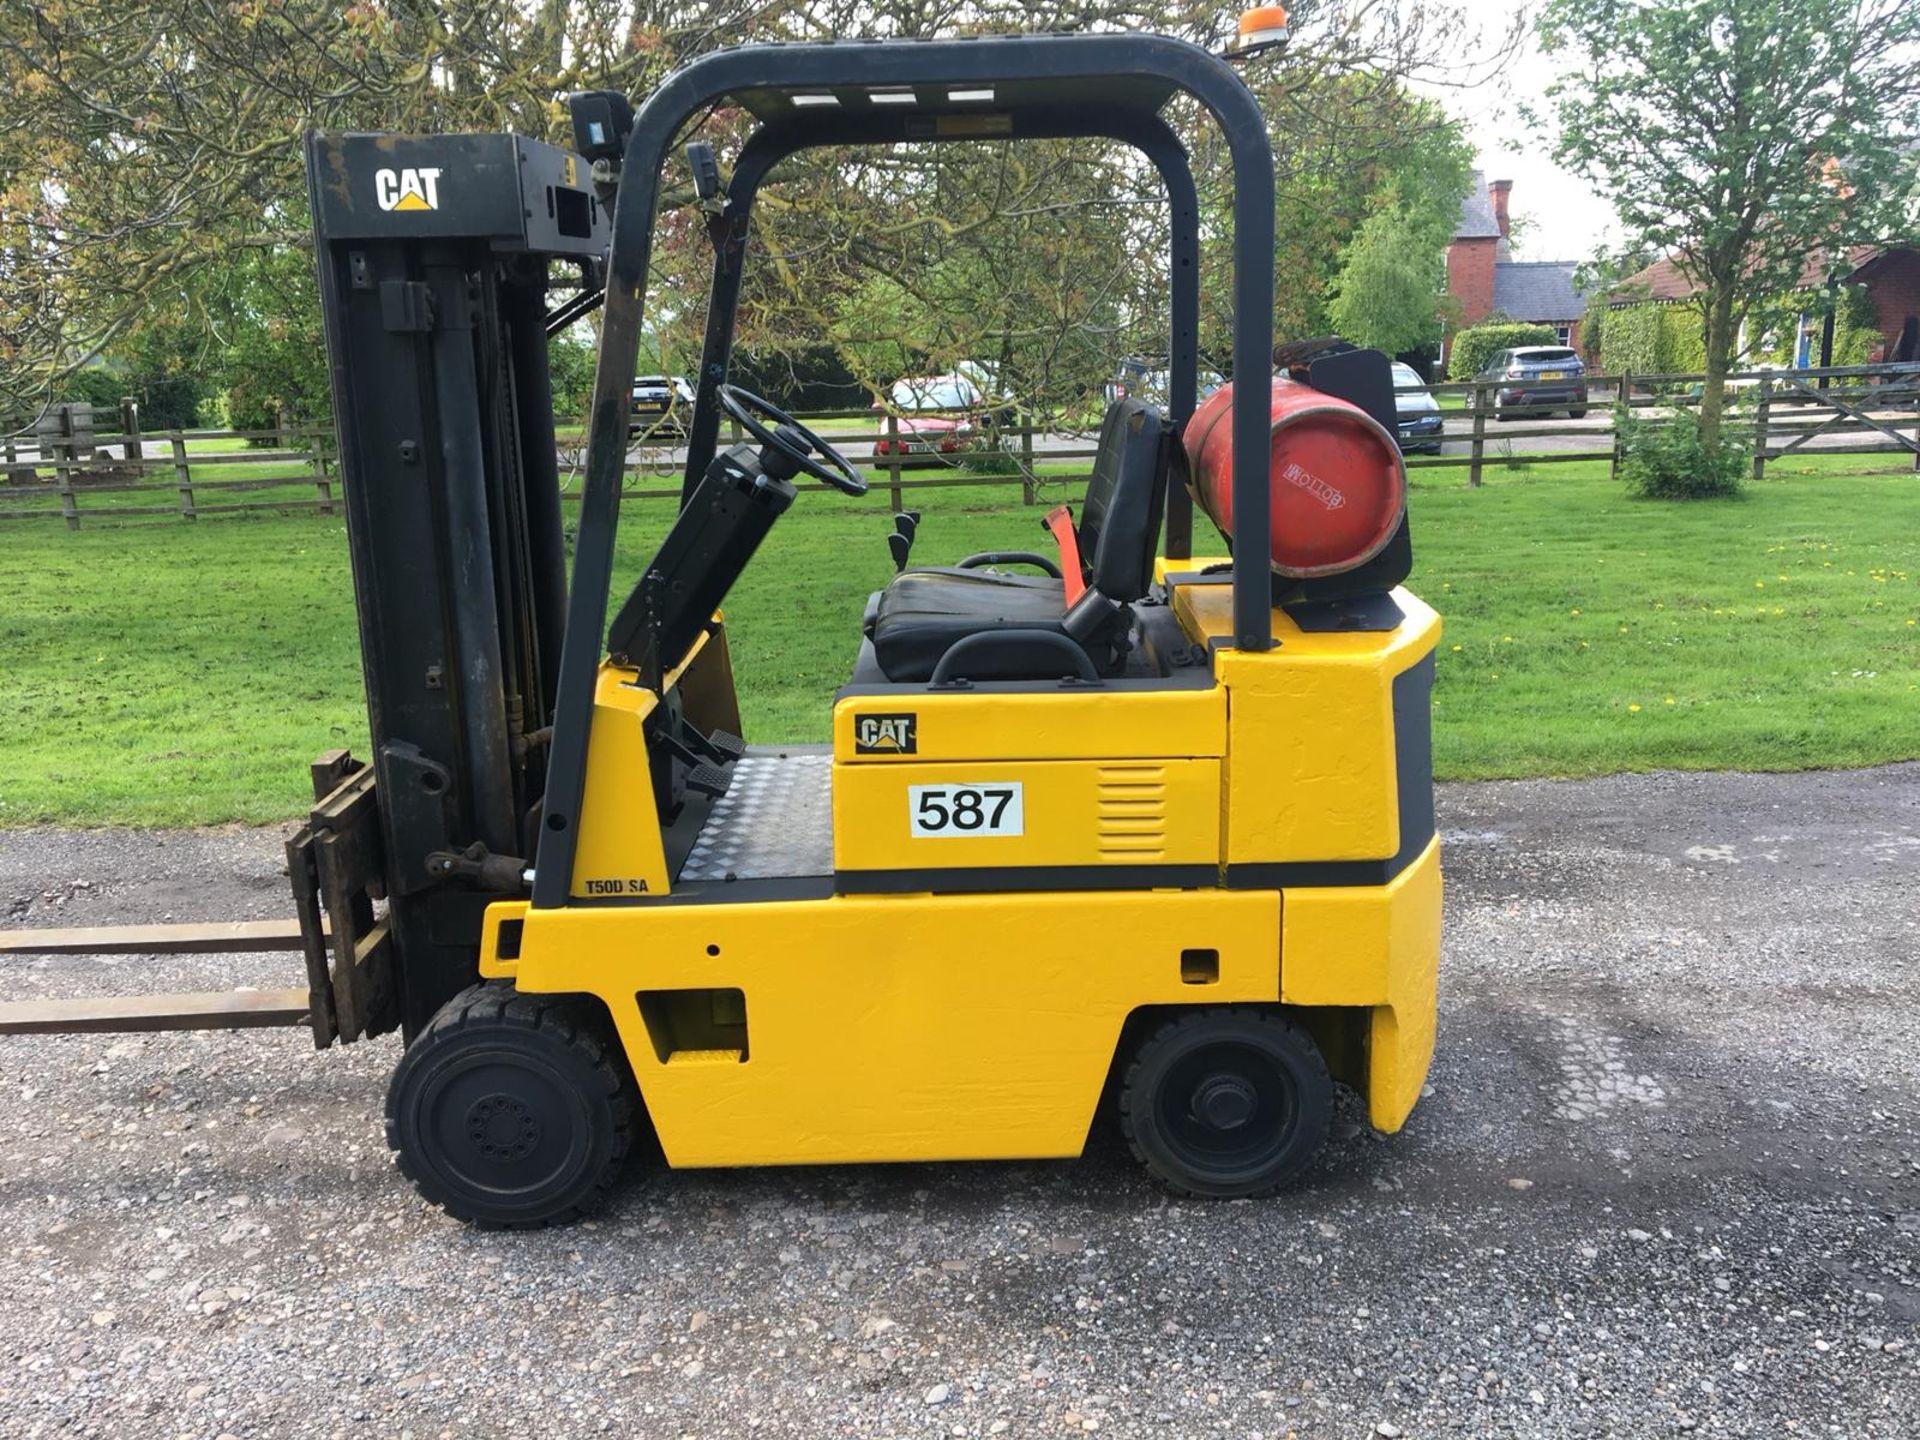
1667, 1180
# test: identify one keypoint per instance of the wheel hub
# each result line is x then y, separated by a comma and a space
502, 1127
1224, 1102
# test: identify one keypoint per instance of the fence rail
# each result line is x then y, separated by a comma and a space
133, 474
69, 469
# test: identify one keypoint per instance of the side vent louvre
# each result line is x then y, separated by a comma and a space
1133, 812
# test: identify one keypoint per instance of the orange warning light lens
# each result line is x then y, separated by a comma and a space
1262, 28
1263, 17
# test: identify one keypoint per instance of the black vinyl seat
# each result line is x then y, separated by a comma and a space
924, 613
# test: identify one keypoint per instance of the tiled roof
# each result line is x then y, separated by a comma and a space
1476, 213
1661, 280
1537, 290
1664, 280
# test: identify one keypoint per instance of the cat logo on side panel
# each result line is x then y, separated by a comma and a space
413, 189
883, 734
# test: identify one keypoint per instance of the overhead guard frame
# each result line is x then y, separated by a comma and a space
804, 130
767, 147
1154, 64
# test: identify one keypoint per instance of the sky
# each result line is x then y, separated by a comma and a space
1570, 222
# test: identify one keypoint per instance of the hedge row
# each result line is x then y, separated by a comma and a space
1653, 339
1474, 347
1669, 338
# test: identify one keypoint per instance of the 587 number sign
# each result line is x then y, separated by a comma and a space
991, 807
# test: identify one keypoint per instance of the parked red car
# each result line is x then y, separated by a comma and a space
936, 417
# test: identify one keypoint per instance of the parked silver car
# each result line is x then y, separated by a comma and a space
661, 407
1537, 379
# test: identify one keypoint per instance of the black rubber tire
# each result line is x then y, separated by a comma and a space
513, 1111
1266, 1070
1579, 414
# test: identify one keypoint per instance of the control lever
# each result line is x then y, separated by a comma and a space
906, 525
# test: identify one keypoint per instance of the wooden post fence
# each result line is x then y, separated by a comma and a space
67, 457
1479, 451
321, 486
894, 457
1026, 460
130, 428
69, 507
47, 474
1622, 407
182, 474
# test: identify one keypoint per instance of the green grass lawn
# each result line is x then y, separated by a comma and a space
166, 673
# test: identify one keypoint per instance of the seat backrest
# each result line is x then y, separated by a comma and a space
1120, 518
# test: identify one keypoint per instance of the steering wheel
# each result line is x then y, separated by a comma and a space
791, 439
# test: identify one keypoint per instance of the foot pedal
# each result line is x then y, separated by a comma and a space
726, 747
709, 780
686, 741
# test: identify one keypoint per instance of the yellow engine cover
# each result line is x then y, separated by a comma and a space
1027, 781
1070, 813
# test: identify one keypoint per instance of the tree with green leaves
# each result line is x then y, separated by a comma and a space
1386, 294
150, 175
1349, 140
1739, 136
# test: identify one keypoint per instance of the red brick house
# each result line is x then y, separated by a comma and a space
1484, 278
1889, 274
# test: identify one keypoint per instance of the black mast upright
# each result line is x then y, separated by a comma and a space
434, 255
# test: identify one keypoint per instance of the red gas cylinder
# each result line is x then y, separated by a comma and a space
1338, 483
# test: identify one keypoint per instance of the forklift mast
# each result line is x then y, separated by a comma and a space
435, 257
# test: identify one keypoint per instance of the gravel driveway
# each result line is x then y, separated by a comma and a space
1667, 1180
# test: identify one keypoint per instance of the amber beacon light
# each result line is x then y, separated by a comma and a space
1262, 28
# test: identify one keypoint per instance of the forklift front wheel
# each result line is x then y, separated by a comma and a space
1224, 1103
512, 1110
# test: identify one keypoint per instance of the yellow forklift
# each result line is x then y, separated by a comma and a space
1137, 824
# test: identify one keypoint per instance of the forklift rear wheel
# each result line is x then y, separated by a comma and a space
1226, 1103
513, 1110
